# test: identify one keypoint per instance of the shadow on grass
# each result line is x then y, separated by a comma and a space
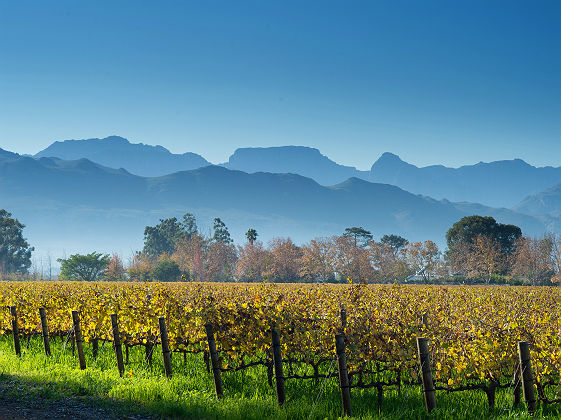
34, 398
29, 398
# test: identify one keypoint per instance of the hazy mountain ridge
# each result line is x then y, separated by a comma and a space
118, 152
498, 184
81, 205
545, 202
79, 182
6, 155
302, 160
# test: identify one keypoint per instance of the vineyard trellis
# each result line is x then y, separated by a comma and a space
440, 338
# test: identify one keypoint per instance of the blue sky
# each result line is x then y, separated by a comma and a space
452, 82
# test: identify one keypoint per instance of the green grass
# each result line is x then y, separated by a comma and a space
190, 393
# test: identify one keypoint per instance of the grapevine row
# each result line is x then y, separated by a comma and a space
473, 332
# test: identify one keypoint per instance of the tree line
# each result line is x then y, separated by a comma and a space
479, 250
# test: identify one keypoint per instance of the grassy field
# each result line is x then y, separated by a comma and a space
144, 391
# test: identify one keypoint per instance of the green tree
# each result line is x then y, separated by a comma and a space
15, 252
166, 270
360, 235
189, 226
162, 238
467, 229
221, 233
251, 236
480, 247
395, 241
90, 267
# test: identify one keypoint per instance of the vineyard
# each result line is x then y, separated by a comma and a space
473, 332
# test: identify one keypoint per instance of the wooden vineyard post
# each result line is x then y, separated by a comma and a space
79, 339
165, 346
45, 331
95, 347
277, 362
490, 391
206, 358
343, 374
15, 330
270, 371
117, 344
426, 373
526, 375
149, 349
216, 372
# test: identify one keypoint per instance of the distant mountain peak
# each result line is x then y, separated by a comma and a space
500, 183
516, 163
545, 202
389, 161
242, 152
390, 157
109, 141
522, 162
302, 160
118, 152
5, 155
352, 183
116, 139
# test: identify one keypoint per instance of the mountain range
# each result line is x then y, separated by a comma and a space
545, 202
118, 152
80, 205
496, 184
300, 160
501, 184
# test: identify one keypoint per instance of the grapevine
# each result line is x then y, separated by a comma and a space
473, 331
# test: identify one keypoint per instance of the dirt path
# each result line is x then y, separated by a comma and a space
19, 400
